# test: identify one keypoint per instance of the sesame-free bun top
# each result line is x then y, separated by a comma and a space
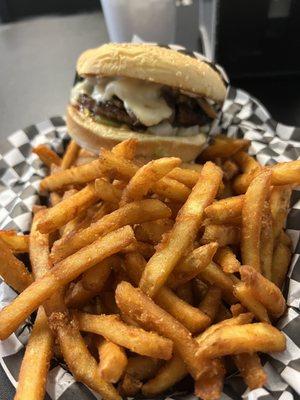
155, 64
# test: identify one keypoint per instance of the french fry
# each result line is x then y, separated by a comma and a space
186, 176
192, 265
286, 173
73, 176
17, 243
250, 168
184, 231
146, 249
169, 374
254, 200
107, 192
250, 368
190, 317
210, 385
90, 284
146, 177
246, 338
237, 309
70, 155
67, 209
171, 189
12, 270
143, 310
215, 276
224, 147
174, 370
46, 155
244, 294
222, 234
227, 260
153, 231
38, 353
126, 149
192, 166
113, 361
226, 210
266, 241
55, 198
230, 169
279, 203
264, 290
135, 339
280, 263
81, 363
132, 213
211, 302
61, 274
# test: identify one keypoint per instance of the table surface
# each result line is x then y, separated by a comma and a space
37, 64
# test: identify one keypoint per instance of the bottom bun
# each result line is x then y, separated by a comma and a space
93, 135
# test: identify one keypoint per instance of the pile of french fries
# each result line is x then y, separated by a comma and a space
144, 272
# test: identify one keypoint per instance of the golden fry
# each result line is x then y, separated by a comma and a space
184, 231
143, 310
254, 200
46, 155
70, 155
133, 213
250, 368
222, 234
211, 302
17, 243
264, 290
279, 203
226, 210
126, 149
135, 339
280, 263
210, 385
113, 361
266, 241
186, 176
171, 189
107, 192
153, 231
286, 173
224, 147
227, 260
12, 270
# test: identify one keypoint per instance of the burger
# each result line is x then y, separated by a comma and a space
164, 98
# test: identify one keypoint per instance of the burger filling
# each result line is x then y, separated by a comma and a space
143, 106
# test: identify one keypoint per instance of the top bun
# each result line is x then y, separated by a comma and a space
155, 64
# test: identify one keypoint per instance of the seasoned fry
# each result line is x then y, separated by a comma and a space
12, 270
184, 231
192, 265
279, 203
46, 155
286, 173
17, 243
107, 192
254, 200
113, 361
146, 249
226, 210
146, 177
227, 260
135, 339
38, 353
266, 241
67, 209
169, 374
264, 290
186, 176
210, 385
280, 263
171, 189
90, 284
224, 147
245, 296
238, 339
143, 310
61, 274
133, 213
251, 369
222, 234
249, 166
190, 317
211, 302
153, 231
126, 149
215, 276
70, 155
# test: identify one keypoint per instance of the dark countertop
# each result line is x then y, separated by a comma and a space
37, 69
